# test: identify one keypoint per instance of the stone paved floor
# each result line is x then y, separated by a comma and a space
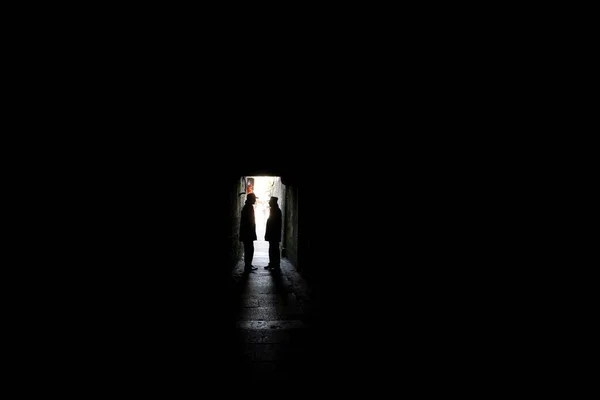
273, 329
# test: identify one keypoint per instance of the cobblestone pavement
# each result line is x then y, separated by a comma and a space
273, 329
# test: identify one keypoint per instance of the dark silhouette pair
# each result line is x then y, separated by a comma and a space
247, 234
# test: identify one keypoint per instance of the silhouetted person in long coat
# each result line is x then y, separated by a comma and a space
273, 234
248, 231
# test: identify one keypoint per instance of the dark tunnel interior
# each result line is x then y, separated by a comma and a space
145, 285
413, 204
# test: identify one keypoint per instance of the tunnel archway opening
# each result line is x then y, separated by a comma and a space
265, 187
266, 183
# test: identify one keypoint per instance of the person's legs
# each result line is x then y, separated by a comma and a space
274, 256
248, 253
270, 265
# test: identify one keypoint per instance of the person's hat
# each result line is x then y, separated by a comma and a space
273, 199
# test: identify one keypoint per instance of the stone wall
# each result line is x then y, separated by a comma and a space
290, 225
236, 203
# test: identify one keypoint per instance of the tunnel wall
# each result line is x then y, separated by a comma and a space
236, 202
290, 244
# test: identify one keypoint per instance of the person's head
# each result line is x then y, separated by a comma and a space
251, 198
273, 201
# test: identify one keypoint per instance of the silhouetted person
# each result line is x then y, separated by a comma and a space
273, 234
248, 231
